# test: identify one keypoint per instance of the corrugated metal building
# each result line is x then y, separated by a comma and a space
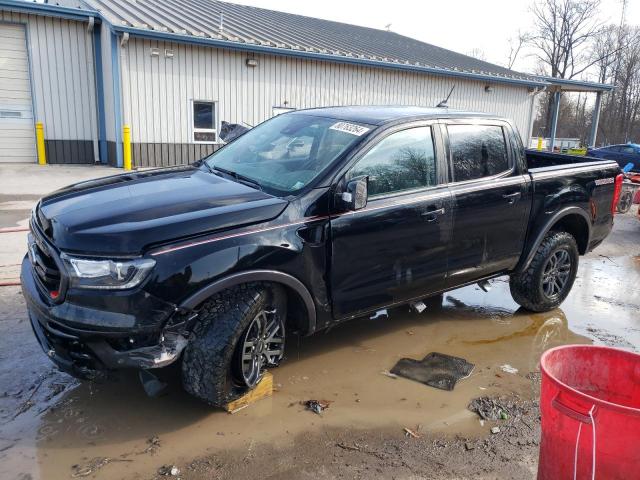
46, 73
173, 70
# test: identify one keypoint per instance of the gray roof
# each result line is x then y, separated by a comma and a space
268, 30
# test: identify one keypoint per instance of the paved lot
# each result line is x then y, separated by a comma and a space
20, 188
53, 427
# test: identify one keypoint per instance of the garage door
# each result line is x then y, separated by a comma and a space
17, 134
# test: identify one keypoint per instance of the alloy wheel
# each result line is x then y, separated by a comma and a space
262, 346
556, 273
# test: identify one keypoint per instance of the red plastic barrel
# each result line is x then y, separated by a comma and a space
590, 394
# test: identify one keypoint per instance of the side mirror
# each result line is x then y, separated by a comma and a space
355, 195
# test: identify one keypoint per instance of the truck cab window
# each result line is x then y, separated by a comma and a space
404, 160
477, 151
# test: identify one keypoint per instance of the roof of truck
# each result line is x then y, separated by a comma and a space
381, 114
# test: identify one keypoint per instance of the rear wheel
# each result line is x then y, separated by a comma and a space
625, 202
240, 332
549, 278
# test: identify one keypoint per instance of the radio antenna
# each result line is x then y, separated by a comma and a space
443, 103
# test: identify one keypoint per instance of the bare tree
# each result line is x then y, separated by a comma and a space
515, 47
563, 32
569, 41
477, 53
562, 39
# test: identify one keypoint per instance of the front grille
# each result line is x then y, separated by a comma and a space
45, 264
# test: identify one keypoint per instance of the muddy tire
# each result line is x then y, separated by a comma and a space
550, 276
212, 365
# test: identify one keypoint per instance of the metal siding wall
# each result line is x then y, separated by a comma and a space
63, 81
160, 88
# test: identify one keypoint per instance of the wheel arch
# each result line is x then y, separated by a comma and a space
298, 295
573, 220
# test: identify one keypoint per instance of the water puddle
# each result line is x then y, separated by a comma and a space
116, 420
88, 423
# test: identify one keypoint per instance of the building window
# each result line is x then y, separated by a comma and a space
204, 122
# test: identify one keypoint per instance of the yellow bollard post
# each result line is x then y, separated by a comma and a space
539, 143
42, 153
126, 145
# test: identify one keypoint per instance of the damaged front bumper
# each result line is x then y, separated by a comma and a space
89, 348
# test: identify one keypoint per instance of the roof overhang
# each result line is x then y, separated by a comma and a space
565, 85
49, 10
249, 47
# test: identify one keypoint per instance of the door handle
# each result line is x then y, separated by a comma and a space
512, 197
432, 213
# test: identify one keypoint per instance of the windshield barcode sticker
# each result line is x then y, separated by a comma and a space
351, 128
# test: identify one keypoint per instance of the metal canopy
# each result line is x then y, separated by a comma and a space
561, 85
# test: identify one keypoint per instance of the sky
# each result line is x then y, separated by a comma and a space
459, 25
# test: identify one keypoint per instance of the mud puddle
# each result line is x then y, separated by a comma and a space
116, 420
49, 423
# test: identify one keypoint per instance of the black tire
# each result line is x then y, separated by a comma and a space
530, 288
209, 365
625, 202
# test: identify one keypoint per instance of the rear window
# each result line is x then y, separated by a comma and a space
477, 151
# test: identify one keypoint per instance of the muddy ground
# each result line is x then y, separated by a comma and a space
53, 427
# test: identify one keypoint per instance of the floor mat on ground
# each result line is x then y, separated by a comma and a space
436, 370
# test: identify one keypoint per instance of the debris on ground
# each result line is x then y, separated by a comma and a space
387, 373
410, 433
344, 446
55, 389
436, 370
489, 408
169, 471
153, 444
93, 466
495, 430
506, 368
316, 406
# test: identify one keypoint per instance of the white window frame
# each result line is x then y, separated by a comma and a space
193, 130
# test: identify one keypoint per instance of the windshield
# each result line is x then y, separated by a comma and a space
286, 153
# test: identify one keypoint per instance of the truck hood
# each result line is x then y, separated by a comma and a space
126, 213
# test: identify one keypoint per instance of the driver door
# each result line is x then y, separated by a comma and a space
395, 248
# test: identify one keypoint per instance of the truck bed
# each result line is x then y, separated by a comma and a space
539, 159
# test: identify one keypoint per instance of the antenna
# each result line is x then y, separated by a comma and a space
387, 27
443, 103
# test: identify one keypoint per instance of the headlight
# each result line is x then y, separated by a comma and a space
107, 274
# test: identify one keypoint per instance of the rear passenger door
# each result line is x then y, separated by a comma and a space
491, 199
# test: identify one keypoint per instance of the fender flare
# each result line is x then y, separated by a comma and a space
524, 264
275, 276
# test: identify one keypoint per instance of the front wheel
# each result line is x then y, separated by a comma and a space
239, 333
548, 280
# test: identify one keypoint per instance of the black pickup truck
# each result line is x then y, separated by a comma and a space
310, 219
